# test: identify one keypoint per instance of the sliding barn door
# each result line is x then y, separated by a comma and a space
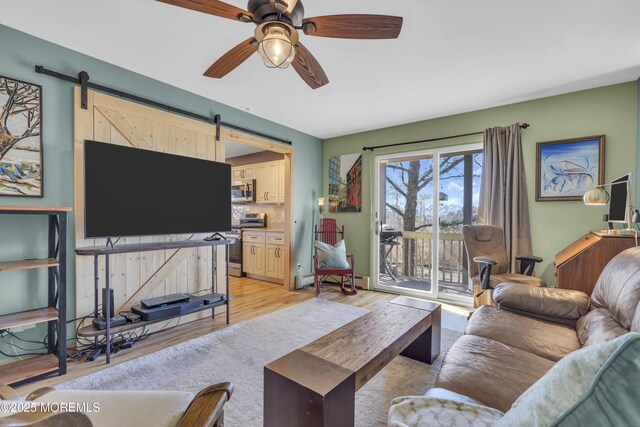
147, 274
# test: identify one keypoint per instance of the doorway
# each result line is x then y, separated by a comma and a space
422, 200
272, 177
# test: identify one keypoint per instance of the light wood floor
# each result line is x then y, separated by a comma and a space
253, 298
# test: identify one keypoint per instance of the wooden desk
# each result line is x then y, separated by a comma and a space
579, 265
316, 384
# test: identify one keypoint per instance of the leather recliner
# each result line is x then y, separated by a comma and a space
506, 350
486, 247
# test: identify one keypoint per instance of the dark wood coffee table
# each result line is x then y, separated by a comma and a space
316, 384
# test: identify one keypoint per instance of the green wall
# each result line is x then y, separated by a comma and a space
22, 237
611, 110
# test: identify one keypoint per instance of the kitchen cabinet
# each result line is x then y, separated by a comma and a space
263, 254
253, 252
243, 172
267, 182
271, 261
275, 256
259, 262
270, 180
253, 258
247, 258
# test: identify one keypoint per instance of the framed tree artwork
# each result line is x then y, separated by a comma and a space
20, 138
567, 168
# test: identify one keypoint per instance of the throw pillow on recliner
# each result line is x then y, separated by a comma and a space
332, 256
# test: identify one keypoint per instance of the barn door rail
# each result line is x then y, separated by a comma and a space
83, 81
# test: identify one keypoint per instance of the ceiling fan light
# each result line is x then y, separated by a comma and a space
276, 48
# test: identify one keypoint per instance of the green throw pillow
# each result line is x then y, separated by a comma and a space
332, 256
597, 385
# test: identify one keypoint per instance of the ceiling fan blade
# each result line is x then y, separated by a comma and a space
308, 68
353, 26
213, 7
230, 60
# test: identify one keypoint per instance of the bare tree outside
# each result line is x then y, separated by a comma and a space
409, 198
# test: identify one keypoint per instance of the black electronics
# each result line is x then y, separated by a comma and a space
212, 298
112, 310
619, 201
93, 355
132, 317
101, 323
164, 300
125, 345
135, 192
167, 311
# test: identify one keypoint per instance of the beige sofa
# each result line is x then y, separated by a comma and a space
506, 350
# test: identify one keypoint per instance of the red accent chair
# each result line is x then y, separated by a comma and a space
328, 233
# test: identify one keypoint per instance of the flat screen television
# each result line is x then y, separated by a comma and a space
135, 192
619, 202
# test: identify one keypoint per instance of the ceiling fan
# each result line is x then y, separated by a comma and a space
276, 37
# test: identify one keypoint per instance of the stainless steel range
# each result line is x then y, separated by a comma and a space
247, 220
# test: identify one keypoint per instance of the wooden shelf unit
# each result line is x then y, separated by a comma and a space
30, 317
55, 360
28, 368
29, 264
35, 209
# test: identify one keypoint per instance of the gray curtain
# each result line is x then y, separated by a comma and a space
503, 189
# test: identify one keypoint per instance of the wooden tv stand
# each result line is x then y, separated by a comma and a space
106, 251
579, 265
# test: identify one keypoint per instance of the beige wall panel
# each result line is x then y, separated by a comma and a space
141, 275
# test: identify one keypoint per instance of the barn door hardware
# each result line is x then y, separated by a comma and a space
85, 84
83, 76
216, 118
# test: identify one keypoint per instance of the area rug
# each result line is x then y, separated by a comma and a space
238, 354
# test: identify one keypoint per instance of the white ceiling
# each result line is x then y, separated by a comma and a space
235, 149
452, 56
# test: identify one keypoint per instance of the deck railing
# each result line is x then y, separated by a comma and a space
414, 256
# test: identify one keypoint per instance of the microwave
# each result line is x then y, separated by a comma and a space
243, 191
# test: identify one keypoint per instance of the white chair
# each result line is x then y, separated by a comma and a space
119, 408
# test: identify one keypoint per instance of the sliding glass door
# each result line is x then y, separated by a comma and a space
422, 200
